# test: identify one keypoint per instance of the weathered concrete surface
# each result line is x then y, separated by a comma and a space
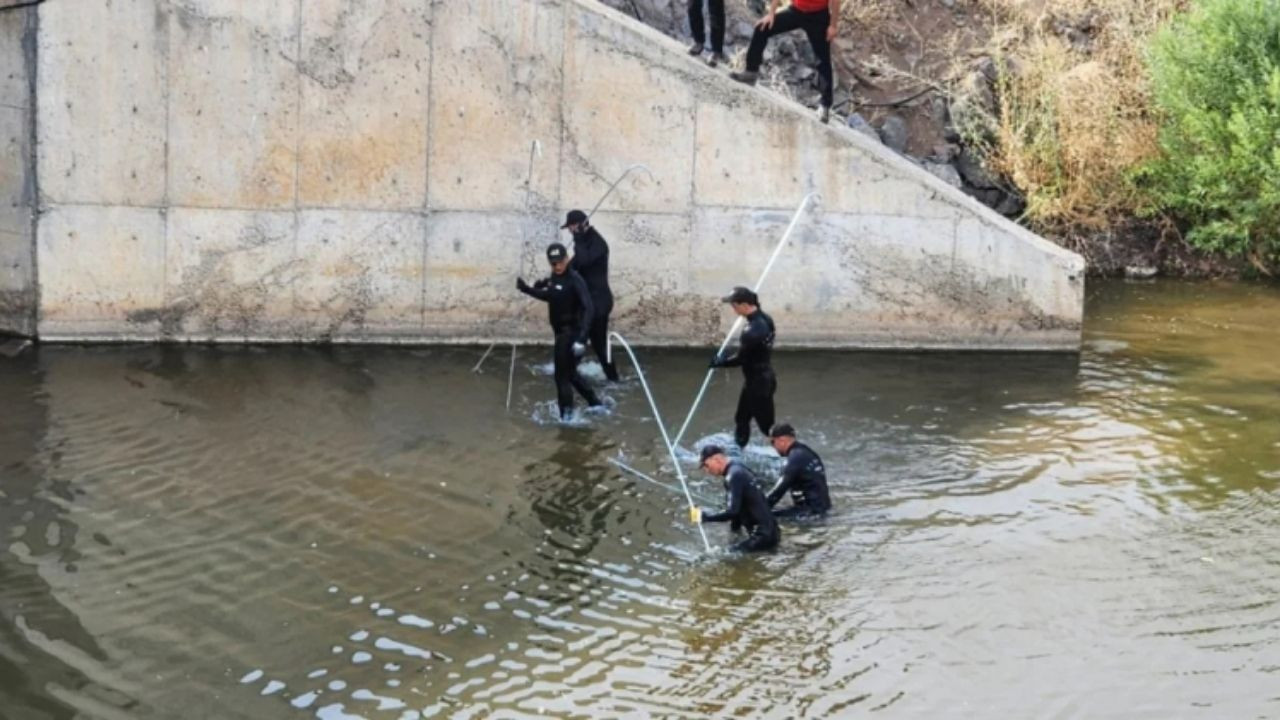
359, 170
17, 170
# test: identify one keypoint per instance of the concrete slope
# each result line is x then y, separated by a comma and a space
356, 170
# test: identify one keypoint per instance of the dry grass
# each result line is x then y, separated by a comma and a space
1075, 111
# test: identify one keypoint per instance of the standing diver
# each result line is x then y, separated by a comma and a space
569, 310
591, 261
755, 345
747, 505
804, 476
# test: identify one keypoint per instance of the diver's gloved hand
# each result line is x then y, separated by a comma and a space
579, 349
695, 514
520, 284
541, 284
716, 361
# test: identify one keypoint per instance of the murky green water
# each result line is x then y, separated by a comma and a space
277, 533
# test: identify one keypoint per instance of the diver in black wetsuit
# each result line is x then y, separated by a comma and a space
569, 309
747, 505
755, 345
804, 476
591, 260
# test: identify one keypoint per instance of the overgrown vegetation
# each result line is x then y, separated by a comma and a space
1074, 111
1216, 81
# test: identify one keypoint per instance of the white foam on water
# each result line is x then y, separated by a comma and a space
304, 700
384, 703
357, 600
361, 657
384, 612
251, 676
317, 673
273, 687
415, 621
391, 667
386, 643
359, 635
333, 589
337, 685
336, 711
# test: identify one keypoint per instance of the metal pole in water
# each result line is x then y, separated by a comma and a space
511, 375
624, 175
661, 426
671, 488
738, 322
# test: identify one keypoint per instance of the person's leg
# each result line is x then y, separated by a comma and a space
574, 380
696, 27
755, 543
600, 343
716, 8
742, 418
815, 27
762, 404
784, 20
566, 367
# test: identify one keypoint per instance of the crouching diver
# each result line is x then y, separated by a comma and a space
747, 505
755, 347
570, 312
804, 476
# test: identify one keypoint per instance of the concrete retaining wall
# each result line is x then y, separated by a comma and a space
17, 169
355, 170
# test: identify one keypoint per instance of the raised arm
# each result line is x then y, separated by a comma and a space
538, 291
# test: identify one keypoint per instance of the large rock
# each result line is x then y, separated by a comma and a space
893, 133
974, 172
945, 172
859, 123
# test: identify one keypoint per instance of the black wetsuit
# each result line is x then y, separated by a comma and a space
755, 346
591, 260
569, 310
806, 479
749, 509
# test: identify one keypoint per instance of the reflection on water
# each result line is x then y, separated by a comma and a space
367, 533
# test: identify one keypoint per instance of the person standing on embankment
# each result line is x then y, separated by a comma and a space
819, 19
591, 261
715, 9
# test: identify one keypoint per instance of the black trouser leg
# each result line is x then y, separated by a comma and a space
755, 543
695, 22
796, 511
783, 21
567, 377
762, 408
742, 418
716, 8
600, 343
815, 27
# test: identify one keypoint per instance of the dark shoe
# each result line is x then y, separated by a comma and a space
717, 58
824, 114
746, 77
695, 49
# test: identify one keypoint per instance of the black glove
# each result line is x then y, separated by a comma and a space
716, 361
520, 284
541, 284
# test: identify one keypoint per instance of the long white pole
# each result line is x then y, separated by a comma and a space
653, 405
795, 219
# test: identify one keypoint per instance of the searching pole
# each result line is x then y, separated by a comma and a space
738, 322
675, 462
622, 177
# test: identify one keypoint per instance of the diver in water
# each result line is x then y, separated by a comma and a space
747, 505
591, 261
569, 310
804, 476
755, 345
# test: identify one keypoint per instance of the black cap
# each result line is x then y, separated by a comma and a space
741, 295
556, 252
708, 452
782, 430
573, 218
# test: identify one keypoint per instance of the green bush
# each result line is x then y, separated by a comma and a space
1215, 76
